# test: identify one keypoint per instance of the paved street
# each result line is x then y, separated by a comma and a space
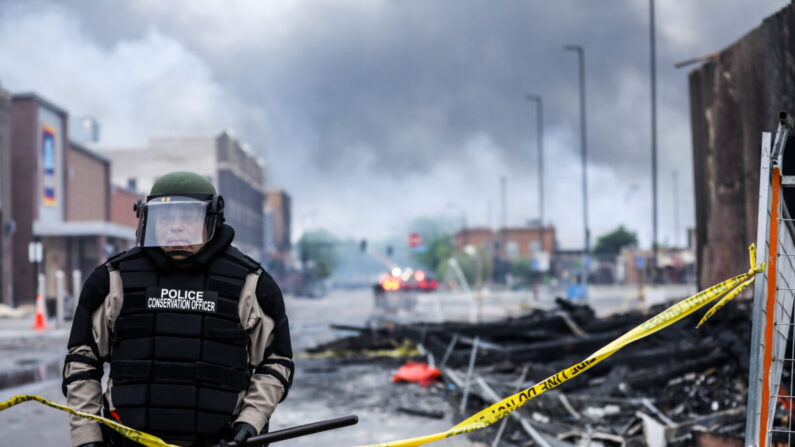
322, 389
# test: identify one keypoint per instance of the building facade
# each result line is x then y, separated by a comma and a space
62, 192
734, 97
234, 171
122, 201
509, 244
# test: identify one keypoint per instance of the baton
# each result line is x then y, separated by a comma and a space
300, 430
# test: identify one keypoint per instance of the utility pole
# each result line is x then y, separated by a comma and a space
581, 59
502, 253
676, 209
464, 231
540, 134
653, 135
504, 200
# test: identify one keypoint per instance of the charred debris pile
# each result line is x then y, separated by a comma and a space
678, 387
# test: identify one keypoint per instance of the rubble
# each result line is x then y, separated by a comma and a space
675, 388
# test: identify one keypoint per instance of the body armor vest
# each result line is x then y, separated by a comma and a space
178, 359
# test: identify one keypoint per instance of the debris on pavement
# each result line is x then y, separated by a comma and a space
677, 387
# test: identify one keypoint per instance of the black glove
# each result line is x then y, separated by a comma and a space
93, 444
240, 433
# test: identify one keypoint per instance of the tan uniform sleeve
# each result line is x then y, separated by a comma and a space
83, 369
265, 390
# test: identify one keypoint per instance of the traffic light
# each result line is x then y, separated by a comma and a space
363, 245
389, 251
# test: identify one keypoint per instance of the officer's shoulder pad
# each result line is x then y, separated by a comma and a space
243, 259
117, 259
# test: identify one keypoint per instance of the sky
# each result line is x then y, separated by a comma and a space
372, 113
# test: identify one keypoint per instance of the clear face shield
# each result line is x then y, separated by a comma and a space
175, 221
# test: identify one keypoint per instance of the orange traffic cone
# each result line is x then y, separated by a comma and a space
40, 323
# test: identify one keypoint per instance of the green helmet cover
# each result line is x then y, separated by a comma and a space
182, 182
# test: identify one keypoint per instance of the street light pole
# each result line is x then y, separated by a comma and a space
460, 209
676, 209
540, 132
581, 59
653, 134
503, 199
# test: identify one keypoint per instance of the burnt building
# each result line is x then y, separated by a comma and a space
734, 97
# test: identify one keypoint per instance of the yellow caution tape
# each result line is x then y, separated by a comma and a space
497, 411
134, 435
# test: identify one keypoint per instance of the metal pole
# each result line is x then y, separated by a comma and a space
466, 231
38, 288
504, 200
41, 284
676, 209
653, 135
468, 382
77, 282
59, 292
449, 351
517, 388
583, 141
540, 134
503, 254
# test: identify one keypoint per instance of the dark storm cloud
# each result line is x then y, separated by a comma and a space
409, 80
369, 96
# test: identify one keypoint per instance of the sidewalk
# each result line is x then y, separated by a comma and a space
27, 355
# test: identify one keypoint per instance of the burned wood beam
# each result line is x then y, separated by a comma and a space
433, 414
661, 374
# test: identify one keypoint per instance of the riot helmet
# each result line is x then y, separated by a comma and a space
182, 210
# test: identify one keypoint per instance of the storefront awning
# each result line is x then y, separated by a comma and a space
87, 228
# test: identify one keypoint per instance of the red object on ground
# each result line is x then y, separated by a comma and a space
417, 372
40, 323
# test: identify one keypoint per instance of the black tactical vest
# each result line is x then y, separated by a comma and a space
178, 359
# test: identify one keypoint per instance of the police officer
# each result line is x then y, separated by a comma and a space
194, 330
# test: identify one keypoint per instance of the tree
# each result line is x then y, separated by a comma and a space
438, 249
612, 243
475, 264
523, 272
318, 252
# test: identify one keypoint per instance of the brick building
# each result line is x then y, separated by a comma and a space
509, 244
62, 196
121, 206
478, 236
